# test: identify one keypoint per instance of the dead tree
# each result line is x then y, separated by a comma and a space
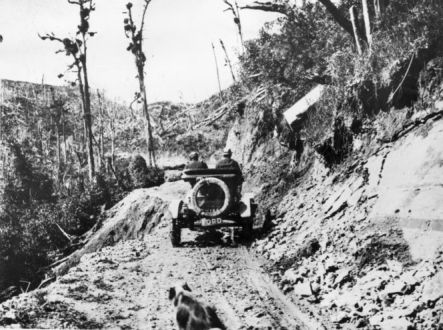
367, 22
77, 48
136, 48
57, 108
110, 115
101, 138
378, 7
228, 60
275, 7
353, 14
218, 73
235, 10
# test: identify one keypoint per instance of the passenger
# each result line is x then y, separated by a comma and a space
229, 164
194, 164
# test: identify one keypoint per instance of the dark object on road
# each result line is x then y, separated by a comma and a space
192, 314
212, 203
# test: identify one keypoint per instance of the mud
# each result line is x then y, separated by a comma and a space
126, 286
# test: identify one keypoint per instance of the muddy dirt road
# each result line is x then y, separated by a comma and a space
220, 273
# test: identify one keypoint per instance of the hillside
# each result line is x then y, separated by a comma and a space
349, 227
355, 246
343, 248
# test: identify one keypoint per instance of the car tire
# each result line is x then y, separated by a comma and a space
216, 212
175, 234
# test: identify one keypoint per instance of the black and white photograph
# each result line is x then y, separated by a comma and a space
221, 164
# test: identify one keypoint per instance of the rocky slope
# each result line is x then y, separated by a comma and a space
363, 245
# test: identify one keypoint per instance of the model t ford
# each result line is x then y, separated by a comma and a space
214, 201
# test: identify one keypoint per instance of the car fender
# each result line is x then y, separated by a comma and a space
246, 206
174, 208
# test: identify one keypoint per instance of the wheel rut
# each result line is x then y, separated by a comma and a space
224, 276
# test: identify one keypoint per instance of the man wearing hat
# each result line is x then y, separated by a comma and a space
194, 164
228, 163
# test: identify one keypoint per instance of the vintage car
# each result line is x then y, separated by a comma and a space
213, 202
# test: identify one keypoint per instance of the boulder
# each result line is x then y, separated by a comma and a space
303, 289
340, 317
398, 323
395, 287
433, 289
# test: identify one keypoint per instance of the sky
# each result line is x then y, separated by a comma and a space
178, 36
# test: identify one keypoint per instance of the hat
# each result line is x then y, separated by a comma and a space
193, 155
227, 152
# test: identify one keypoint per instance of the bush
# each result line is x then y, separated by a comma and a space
294, 50
34, 223
143, 176
408, 35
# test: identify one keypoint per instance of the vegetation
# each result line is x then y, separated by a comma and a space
313, 44
144, 176
47, 199
60, 170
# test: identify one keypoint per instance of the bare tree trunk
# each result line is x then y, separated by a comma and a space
150, 140
235, 10
85, 127
378, 8
240, 30
228, 61
140, 59
100, 130
88, 123
269, 7
59, 160
87, 117
64, 136
112, 145
218, 73
353, 13
367, 22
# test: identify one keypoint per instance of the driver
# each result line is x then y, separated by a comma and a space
229, 164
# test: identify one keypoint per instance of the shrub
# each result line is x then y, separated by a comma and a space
294, 50
143, 176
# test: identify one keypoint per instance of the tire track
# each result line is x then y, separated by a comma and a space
292, 313
226, 277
